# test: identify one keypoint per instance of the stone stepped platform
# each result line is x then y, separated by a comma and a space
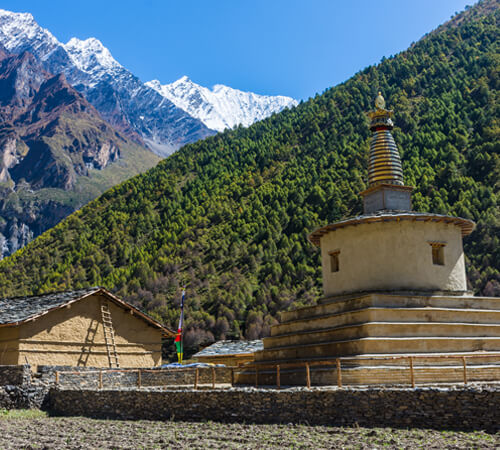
387, 325
386, 314
353, 302
384, 329
382, 345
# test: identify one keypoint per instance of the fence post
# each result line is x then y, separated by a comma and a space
278, 381
308, 375
100, 379
412, 375
196, 374
213, 377
139, 380
232, 376
57, 378
339, 374
465, 369
256, 376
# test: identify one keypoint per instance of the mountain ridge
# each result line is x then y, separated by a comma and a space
134, 108
221, 107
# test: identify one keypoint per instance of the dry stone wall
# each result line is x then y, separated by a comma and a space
444, 408
91, 379
15, 375
20, 388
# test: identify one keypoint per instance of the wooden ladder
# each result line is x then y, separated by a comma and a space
109, 335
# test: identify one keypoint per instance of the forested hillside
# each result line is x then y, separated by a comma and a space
229, 216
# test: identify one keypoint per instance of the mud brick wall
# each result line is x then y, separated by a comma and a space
440, 408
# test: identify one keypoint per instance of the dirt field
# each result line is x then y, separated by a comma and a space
33, 429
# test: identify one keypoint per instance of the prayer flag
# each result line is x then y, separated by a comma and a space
178, 337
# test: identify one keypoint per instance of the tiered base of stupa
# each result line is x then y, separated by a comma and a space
368, 334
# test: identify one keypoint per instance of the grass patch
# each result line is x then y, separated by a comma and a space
22, 414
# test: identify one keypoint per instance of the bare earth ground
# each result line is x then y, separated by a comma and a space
33, 429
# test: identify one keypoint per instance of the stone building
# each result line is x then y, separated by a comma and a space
394, 286
230, 353
88, 327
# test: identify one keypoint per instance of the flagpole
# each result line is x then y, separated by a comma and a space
182, 346
179, 338
182, 330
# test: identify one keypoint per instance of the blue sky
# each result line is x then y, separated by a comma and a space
290, 47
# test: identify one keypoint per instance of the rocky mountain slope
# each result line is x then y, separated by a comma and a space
229, 216
221, 107
134, 108
50, 137
51, 133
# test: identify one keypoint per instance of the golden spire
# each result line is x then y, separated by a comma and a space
385, 163
379, 101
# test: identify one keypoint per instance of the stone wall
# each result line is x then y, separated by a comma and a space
20, 388
15, 375
457, 407
91, 379
443, 408
23, 397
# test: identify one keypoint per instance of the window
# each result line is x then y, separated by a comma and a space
334, 261
437, 253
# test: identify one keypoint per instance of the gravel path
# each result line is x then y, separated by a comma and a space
33, 430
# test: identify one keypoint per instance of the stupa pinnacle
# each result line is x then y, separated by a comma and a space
386, 189
385, 164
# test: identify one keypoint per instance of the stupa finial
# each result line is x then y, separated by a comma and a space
379, 101
385, 164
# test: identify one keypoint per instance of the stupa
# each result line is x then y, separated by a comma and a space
394, 286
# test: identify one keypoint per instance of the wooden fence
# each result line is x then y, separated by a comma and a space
339, 362
140, 372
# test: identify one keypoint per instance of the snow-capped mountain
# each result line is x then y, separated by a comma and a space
91, 57
163, 117
19, 31
119, 96
221, 107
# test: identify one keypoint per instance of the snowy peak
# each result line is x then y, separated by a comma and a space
20, 32
221, 107
90, 55
154, 84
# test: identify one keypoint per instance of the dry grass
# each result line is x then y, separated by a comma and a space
33, 429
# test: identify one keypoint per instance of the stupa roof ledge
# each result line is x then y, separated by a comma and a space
389, 216
395, 187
